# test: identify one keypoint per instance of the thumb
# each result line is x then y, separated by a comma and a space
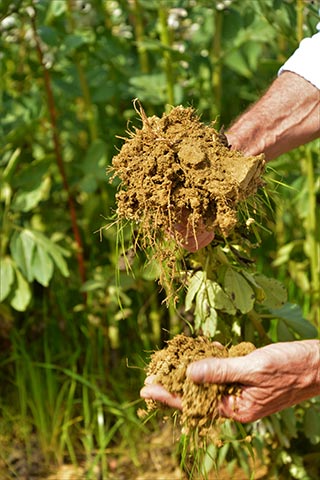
220, 370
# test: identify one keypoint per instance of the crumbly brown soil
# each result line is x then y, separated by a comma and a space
199, 401
177, 169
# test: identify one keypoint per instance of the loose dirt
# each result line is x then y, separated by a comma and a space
199, 401
176, 169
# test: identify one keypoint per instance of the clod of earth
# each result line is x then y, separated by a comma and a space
177, 169
199, 401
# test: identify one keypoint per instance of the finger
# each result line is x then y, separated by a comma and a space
242, 408
194, 243
160, 394
222, 370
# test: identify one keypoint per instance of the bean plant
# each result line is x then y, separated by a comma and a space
79, 306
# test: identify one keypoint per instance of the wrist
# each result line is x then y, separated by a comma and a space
311, 362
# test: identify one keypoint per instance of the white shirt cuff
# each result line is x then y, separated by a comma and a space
305, 61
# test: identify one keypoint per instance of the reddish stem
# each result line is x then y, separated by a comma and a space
58, 152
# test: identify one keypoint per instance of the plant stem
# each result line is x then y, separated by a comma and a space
165, 38
58, 150
300, 18
139, 34
313, 246
89, 106
255, 320
216, 77
6, 193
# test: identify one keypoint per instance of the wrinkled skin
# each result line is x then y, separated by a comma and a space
271, 378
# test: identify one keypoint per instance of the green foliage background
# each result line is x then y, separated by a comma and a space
71, 316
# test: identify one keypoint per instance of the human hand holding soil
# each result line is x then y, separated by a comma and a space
189, 238
271, 378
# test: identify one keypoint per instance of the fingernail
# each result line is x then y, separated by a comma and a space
145, 392
150, 380
191, 370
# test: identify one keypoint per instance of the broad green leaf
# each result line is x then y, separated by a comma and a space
56, 252
195, 283
6, 277
236, 61
96, 159
290, 420
56, 9
31, 175
239, 290
311, 425
283, 254
49, 35
92, 285
22, 248
218, 298
291, 315
275, 291
73, 41
151, 271
22, 294
258, 290
25, 200
209, 326
151, 88
283, 332
202, 308
205, 316
42, 266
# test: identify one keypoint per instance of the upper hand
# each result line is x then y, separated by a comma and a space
190, 238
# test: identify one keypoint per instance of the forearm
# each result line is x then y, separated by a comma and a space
287, 116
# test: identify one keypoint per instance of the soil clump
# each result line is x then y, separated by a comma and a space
176, 169
199, 401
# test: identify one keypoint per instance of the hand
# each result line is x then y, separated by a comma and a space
271, 378
190, 239
159, 393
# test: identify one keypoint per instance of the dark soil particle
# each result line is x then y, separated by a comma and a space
199, 401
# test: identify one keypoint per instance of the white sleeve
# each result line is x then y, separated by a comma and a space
305, 61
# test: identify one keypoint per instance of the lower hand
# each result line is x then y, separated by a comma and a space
271, 378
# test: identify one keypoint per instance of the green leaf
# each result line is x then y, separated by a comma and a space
311, 425
93, 166
151, 271
218, 298
22, 248
275, 291
283, 332
195, 283
73, 41
6, 277
258, 290
56, 252
25, 201
22, 294
239, 290
49, 35
209, 326
290, 420
236, 61
42, 266
56, 9
291, 315
205, 316
149, 88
